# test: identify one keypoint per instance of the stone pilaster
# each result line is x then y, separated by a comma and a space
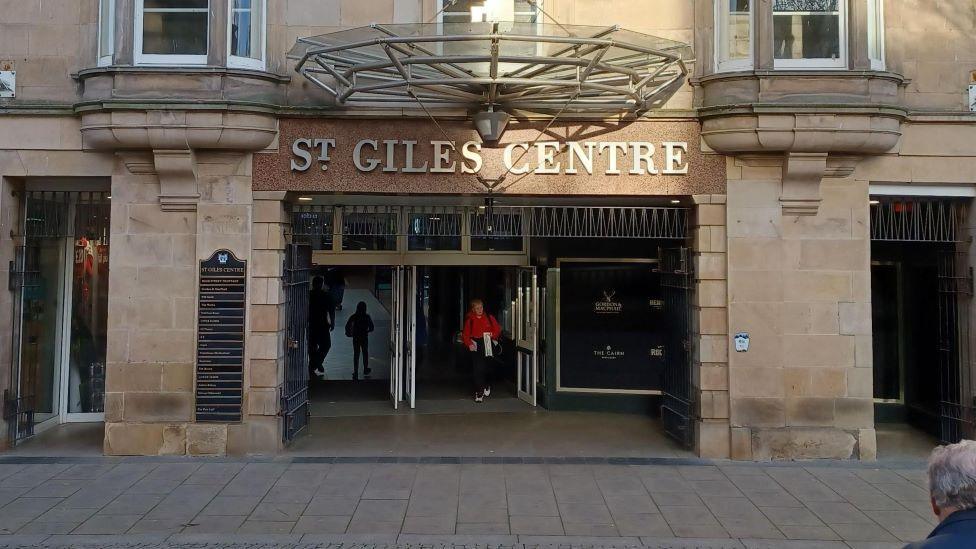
800, 286
711, 368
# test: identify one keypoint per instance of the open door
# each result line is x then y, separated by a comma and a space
410, 335
396, 336
527, 334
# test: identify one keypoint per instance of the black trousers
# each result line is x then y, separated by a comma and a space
479, 368
319, 345
360, 347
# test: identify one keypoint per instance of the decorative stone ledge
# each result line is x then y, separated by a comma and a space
806, 117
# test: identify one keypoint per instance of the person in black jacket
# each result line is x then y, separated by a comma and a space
952, 485
358, 328
321, 322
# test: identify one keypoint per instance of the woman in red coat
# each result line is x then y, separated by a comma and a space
480, 331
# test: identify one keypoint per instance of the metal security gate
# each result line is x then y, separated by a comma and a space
956, 403
294, 390
18, 401
677, 405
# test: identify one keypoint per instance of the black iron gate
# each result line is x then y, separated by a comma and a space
956, 398
19, 398
294, 390
677, 405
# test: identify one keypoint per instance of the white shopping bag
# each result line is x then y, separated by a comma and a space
487, 338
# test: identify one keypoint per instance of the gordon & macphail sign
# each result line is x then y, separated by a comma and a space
542, 158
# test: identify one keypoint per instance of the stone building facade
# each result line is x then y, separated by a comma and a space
794, 145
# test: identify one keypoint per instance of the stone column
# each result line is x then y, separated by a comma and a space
9, 226
711, 369
261, 432
800, 286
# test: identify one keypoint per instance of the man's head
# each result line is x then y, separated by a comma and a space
317, 283
952, 478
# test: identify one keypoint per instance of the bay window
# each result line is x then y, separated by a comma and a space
106, 32
810, 33
246, 34
172, 32
733, 35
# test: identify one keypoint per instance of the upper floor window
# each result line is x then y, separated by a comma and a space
876, 40
106, 32
470, 11
810, 33
733, 35
246, 35
172, 32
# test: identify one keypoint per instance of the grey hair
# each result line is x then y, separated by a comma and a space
952, 476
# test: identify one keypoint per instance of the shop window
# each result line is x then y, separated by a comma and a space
810, 34
246, 34
369, 230
502, 232
733, 34
172, 32
106, 32
434, 232
876, 39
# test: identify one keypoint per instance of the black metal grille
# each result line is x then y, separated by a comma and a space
677, 405
19, 401
294, 391
956, 406
314, 223
917, 220
48, 215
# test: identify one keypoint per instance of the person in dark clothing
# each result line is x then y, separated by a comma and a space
358, 327
321, 322
336, 282
479, 334
952, 486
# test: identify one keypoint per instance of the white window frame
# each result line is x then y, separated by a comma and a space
876, 33
157, 59
105, 58
720, 37
238, 62
823, 64
540, 16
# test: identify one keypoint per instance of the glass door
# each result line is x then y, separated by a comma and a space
527, 333
396, 336
410, 335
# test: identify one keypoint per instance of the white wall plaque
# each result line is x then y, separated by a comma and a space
8, 83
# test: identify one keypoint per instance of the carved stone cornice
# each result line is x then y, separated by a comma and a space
802, 174
178, 190
177, 130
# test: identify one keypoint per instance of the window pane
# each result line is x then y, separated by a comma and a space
246, 26
105, 46
175, 33
806, 29
876, 33
366, 231
734, 26
177, 4
434, 231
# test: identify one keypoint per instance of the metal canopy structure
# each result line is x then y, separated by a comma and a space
487, 66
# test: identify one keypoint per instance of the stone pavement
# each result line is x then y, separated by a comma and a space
503, 502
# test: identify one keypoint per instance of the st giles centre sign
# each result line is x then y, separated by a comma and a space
541, 158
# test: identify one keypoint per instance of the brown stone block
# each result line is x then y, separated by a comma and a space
867, 444
184, 311
756, 254
158, 407
126, 377
269, 211
809, 412
713, 348
755, 286
860, 382
702, 241
185, 250
757, 412
835, 255
863, 351
810, 318
828, 382
719, 239
117, 346
154, 313
266, 263
740, 443
710, 214
265, 345
150, 219
265, 318
712, 439
818, 351
264, 373
262, 401
140, 250
799, 443
206, 439
713, 321
714, 405
712, 377
178, 378
113, 407
797, 382
755, 223
710, 266
854, 318
755, 382
144, 439
711, 293
812, 286
752, 193
855, 413
828, 223
162, 345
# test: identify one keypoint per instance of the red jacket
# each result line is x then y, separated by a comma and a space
475, 327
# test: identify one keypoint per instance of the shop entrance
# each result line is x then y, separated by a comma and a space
416, 360
59, 279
